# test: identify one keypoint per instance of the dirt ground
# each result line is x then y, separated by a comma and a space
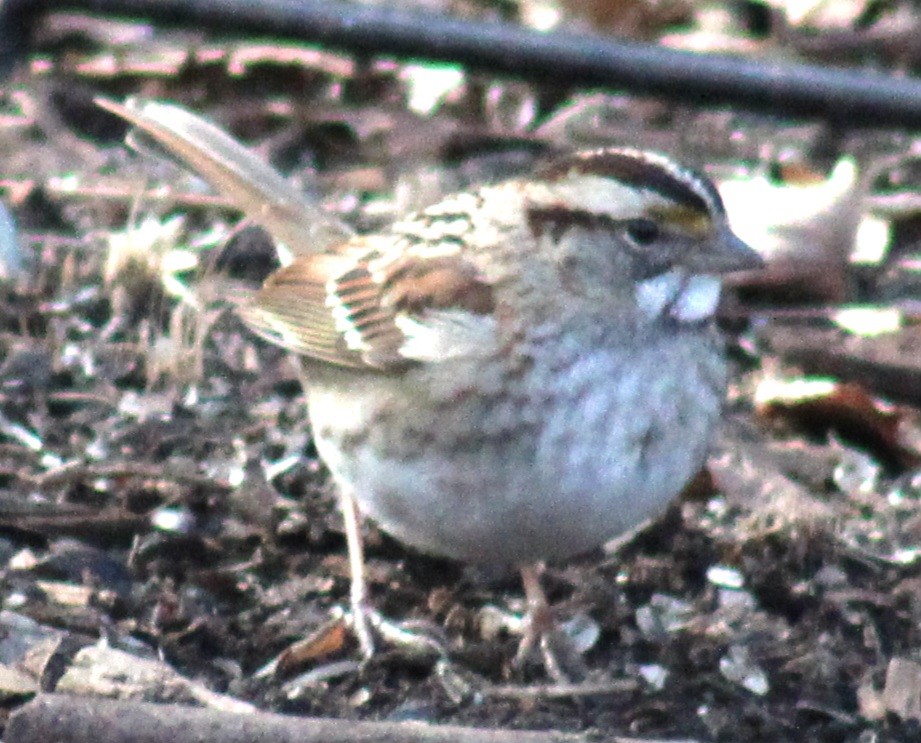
159, 487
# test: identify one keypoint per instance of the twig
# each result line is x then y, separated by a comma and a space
561, 691
75, 471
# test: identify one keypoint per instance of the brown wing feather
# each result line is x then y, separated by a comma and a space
344, 306
291, 310
327, 306
441, 282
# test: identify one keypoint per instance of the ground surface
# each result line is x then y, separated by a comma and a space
158, 486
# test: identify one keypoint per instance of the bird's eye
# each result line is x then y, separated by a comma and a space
642, 231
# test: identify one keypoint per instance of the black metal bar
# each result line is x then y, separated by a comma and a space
846, 97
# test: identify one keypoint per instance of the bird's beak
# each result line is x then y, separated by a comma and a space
728, 253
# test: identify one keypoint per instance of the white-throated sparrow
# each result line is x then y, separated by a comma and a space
515, 374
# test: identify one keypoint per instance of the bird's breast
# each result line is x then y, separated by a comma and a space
540, 459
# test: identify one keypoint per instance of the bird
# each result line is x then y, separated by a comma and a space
513, 375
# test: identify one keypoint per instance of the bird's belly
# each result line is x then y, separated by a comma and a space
610, 444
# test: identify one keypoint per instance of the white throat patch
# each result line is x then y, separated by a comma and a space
684, 298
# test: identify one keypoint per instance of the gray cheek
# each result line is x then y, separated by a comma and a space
591, 263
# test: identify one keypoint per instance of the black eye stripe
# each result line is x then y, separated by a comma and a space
556, 220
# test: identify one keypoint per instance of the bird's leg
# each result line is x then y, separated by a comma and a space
362, 614
539, 617
358, 590
365, 619
562, 660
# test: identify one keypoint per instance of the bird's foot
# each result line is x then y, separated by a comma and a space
545, 638
419, 639
561, 658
